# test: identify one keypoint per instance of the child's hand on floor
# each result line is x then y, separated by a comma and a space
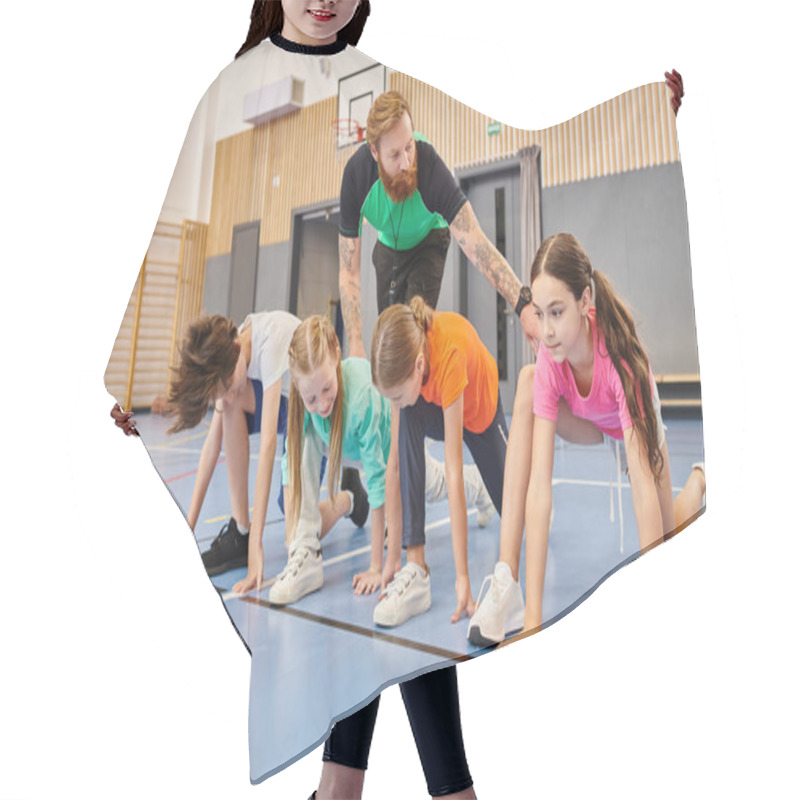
390, 569
466, 605
251, 581
367, 582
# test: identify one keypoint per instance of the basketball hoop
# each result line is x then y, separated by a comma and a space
346, 133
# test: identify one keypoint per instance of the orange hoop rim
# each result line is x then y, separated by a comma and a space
347, 127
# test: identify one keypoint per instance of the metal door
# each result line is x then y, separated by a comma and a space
495, 200
244, 263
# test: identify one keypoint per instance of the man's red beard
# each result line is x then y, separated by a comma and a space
403, 185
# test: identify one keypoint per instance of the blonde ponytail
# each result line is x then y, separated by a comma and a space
314, 342
400, 335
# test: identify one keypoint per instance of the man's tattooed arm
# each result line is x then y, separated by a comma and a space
350, 292
484, 255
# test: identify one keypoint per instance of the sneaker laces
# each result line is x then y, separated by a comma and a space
398, 584
223, 534
481, 594
294, 563
494, 587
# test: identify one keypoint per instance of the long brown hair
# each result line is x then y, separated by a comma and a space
313, 343
563, 257
266, 19
207, 359
400, 335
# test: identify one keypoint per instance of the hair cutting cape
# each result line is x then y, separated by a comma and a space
250, 223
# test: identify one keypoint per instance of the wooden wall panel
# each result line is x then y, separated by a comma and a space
188, 300
267, 172
633, 131
167, 295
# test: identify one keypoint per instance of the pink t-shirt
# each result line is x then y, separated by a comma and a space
605, 404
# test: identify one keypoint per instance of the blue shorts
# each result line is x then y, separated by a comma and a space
254, 419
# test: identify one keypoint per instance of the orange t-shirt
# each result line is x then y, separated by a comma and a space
460, 362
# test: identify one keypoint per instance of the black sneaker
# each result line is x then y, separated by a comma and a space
227, 551
351, 481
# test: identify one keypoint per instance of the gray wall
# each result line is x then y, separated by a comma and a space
272, 281
633, 226
635, 230
216, 290
318, 278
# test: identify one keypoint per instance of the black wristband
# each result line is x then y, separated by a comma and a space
524, 298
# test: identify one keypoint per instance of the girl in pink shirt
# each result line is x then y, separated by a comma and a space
592, 378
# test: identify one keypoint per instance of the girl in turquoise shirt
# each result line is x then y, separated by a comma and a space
333, 409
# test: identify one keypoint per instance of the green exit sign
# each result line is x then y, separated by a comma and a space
493, 128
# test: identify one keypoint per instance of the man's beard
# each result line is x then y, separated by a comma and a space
402, 186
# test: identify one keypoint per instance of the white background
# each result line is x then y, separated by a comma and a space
121, 675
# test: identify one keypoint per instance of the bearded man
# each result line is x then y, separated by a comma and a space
406, 192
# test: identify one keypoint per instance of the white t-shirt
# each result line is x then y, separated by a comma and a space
271, 336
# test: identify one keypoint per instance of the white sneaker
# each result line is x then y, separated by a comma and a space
474, 490
502, 610
435, 483
301, 576
475, 494
485, 507
407, 595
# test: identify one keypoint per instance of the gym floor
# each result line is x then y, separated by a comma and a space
325, 648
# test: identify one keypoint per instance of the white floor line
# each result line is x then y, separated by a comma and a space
601, 484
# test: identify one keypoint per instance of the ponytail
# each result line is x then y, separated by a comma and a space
399, 336
563, 257
266, 19
630, 361
313, 342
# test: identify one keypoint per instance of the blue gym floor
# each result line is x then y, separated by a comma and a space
324, 651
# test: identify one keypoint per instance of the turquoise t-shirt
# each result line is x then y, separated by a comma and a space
367, 430
400, 226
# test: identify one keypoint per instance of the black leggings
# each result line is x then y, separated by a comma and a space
427, 419
432, 706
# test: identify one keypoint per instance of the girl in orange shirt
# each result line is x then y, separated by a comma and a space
443, 383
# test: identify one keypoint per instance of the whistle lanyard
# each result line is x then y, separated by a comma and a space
396, 235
